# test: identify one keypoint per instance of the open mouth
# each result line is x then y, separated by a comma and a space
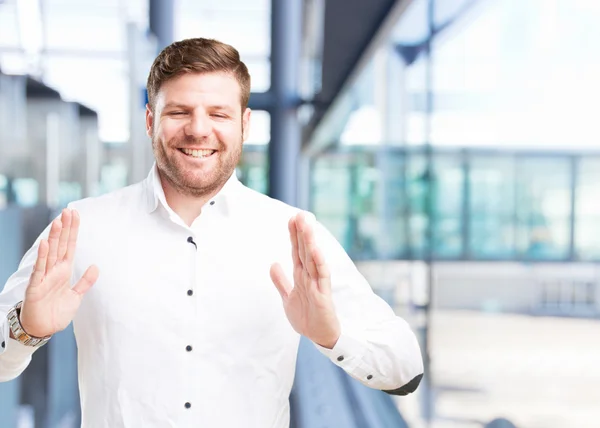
198, 154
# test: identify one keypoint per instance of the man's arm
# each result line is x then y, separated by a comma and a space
43, 284
376, 347
331, 303
15, 357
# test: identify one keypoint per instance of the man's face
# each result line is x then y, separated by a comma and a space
197, 130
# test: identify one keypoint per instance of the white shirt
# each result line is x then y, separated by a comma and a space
177, 336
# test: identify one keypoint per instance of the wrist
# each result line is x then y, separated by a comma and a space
18, 333
329, 343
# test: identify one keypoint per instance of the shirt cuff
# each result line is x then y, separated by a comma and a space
12, 351
347, 353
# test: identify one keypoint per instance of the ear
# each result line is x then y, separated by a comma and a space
149, 121
246, 124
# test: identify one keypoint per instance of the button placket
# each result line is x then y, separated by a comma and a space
191, 307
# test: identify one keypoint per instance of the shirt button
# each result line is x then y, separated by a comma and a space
188, 405
340, 358
3, 345
212, 202
190, 292
188, 348
369, 377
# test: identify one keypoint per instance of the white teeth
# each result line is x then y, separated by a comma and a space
198, 153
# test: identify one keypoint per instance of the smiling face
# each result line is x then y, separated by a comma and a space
197, 130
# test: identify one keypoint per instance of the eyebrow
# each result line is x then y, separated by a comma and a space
221, 107
211, 107
175, 105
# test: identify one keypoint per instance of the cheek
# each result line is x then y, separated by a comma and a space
166, 131
229, 135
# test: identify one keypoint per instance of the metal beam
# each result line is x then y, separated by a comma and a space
284, 148
261, 101
162, 21
354, 29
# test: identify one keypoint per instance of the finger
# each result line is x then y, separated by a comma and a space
309, 244
300, 224
53, 244
72, 243
64, 234
39, 270
87, 280
323, 273
294, 240
281, 282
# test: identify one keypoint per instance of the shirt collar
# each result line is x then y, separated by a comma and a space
223, 201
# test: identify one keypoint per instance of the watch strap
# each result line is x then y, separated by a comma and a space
19, 333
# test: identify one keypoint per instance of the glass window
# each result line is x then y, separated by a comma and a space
26, 191
330, 193
587, 220
448, 188
392, 205
9, 25
417, 184
491, 207
242, 24
3, 191
543, 202
252, 169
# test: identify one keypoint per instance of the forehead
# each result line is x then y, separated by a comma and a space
199, 89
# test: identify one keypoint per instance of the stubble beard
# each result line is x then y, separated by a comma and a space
193, 183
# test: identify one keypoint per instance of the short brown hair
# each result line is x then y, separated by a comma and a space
197, 55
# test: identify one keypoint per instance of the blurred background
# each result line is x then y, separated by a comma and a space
450, 145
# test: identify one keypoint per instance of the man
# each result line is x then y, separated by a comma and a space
190, 291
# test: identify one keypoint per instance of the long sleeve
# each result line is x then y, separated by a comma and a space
15, 357
376, 347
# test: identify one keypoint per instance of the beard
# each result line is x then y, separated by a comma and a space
190, 180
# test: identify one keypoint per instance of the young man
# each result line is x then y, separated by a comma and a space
188, 291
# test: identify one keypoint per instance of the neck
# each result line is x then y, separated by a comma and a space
187, 207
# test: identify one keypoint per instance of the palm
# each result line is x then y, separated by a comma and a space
50, 303
308, 305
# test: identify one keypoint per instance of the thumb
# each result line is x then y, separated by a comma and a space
87, 280
280, 280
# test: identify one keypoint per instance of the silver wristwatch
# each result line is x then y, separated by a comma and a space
17, 330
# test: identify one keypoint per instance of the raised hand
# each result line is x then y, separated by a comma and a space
309, 304
50, 303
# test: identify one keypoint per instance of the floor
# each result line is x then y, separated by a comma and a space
536, 372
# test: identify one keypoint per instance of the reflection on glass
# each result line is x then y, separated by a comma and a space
26, 192
253, 169
3, 191
448, 206
508, 207
543, 207
491, 207
587, 209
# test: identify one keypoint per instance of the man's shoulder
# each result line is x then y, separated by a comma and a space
129, 197
265, 206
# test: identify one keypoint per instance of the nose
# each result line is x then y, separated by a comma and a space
198, 125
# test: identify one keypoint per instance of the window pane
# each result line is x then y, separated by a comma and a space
543, 208
587, 225
491, 207
449, 196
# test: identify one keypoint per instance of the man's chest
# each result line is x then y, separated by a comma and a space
214, 291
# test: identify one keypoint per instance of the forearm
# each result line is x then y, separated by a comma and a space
385, 356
